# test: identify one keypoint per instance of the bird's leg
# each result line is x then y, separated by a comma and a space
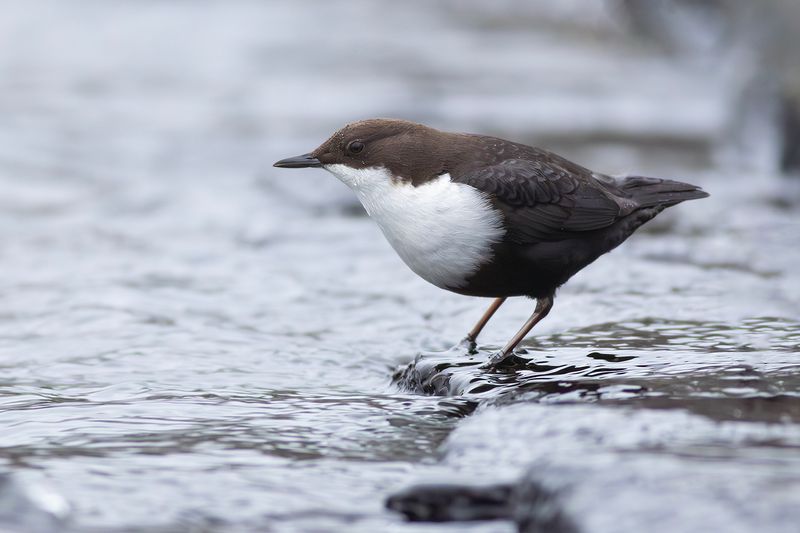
475, 331
543, 306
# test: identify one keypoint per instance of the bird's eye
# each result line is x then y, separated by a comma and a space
355, 147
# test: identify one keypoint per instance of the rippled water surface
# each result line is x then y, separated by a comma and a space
191, 338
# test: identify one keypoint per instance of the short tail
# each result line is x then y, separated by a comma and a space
650, 192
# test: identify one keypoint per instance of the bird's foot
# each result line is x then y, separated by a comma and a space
468, 343
494, 360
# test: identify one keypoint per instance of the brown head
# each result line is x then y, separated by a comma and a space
409, 151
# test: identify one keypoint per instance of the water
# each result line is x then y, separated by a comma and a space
192, 339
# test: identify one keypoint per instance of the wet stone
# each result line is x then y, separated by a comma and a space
718, 386
454, 373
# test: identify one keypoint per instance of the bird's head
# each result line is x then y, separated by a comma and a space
373, 149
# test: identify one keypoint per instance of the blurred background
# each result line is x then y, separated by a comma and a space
190, 338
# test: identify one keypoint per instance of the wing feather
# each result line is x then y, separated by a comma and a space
544, 200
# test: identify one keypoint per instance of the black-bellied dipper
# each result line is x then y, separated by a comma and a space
483, 216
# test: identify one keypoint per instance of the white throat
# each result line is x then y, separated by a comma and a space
442, 230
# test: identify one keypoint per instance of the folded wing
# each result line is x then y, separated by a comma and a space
549, 198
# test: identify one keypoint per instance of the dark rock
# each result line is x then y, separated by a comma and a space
533, 508
452, 503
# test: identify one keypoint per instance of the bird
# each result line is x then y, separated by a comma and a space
483, 216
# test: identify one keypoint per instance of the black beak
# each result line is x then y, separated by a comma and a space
300, 161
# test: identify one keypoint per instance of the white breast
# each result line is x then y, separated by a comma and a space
442, 230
